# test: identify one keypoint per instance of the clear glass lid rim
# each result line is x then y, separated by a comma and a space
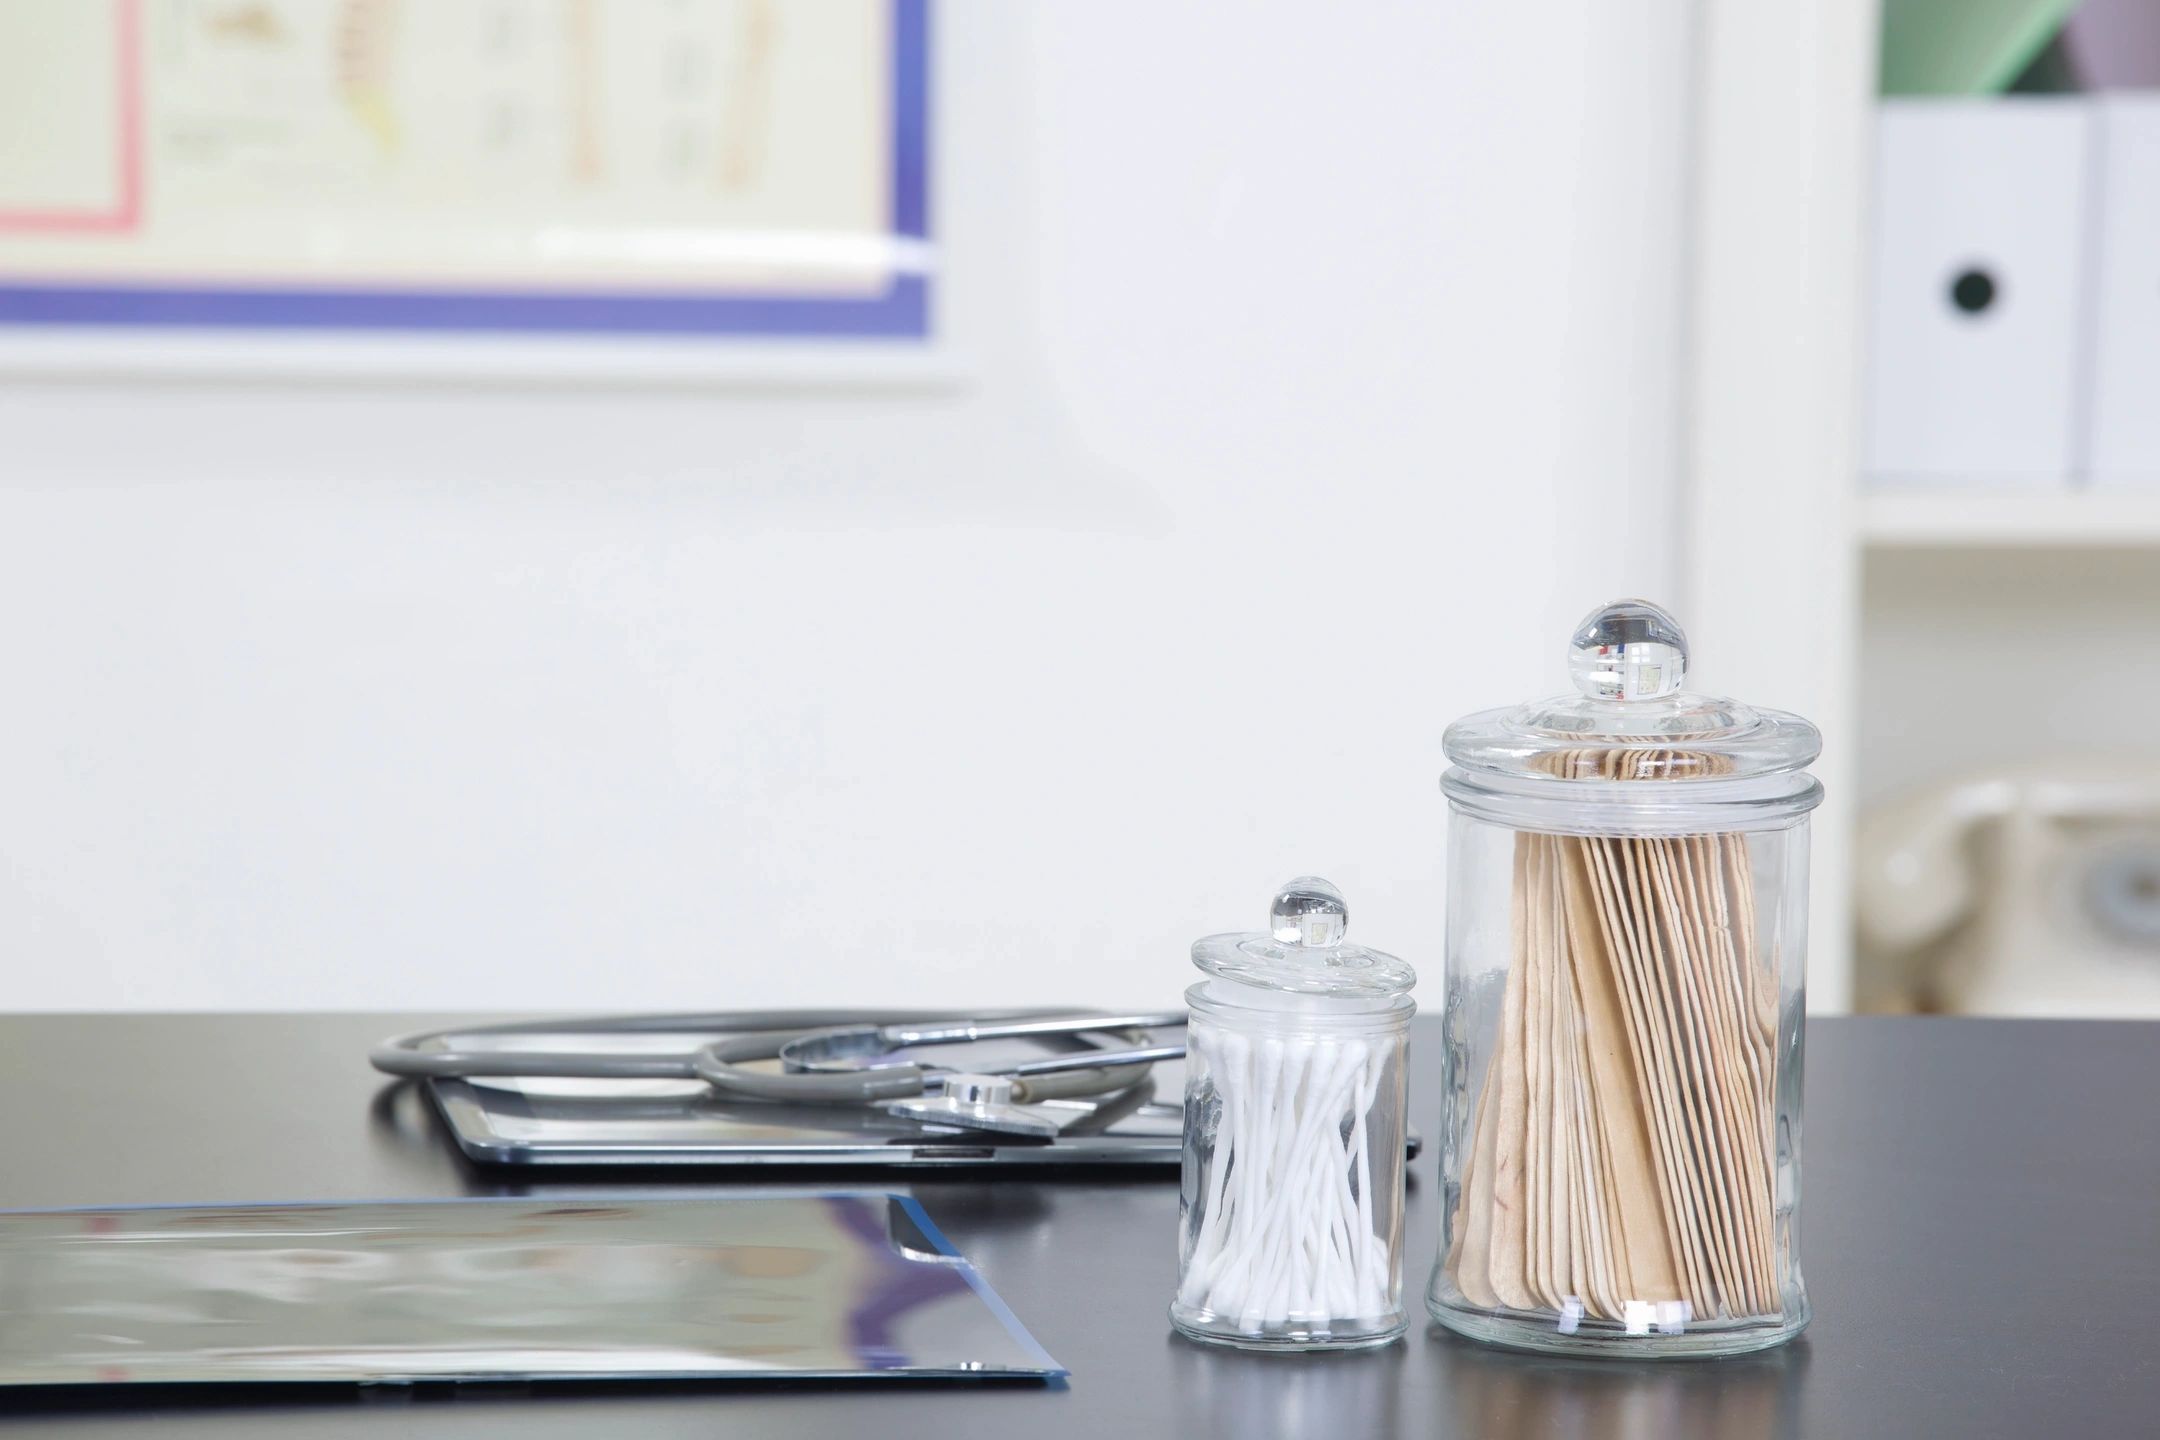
1590, 807
1507, 740
1657, 794
1326, 1009
1257, 961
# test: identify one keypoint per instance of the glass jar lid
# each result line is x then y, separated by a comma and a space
1632, 726
1302, 952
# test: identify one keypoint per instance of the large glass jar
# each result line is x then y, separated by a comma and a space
1627, 938
1290, 1221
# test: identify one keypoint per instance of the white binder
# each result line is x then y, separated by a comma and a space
1980, 215
2122, 447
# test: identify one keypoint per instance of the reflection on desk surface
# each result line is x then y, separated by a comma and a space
819, 1285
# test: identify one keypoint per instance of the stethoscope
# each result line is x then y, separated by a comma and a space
827, 1057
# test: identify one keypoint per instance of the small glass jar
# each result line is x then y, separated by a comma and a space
1290, 1219
1627, 941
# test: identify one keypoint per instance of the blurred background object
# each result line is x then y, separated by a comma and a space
2010, 852
1965, 47
2111, 45
1980, 236
2027, 893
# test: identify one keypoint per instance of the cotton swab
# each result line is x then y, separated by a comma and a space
1292, 1202
1289, 1230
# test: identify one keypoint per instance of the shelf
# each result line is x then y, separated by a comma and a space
1968, 520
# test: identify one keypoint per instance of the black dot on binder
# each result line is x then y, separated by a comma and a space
1972, 290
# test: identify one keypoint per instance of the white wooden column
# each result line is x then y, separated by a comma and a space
1769, 558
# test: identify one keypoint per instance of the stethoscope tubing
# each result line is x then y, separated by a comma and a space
747, 1036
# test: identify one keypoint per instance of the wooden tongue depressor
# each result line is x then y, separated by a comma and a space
1749, 1194
1470, 1260
1596, 1200
1504, 1071
1762, 982
1627, 943
1508, 1190
1593, 1204
1599, 1241
1572, 1259
1560, 1085
1701, 1084
1725, 1126
1533, 1190
1618, 1255
1665, 1023
1736, 896
1591, 1273
1645, 1263
1752, 1050
1731, 1084
1606, 1073
1549, 1250
1569, 1198
1537, 1069
1760, 986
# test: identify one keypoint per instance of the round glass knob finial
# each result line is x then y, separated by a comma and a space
1628, 650
1308, 911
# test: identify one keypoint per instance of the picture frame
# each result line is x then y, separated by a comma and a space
643, 280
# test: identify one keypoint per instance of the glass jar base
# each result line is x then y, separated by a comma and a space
1540, 1335
1361, 1334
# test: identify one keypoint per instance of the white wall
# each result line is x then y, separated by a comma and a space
1321, 372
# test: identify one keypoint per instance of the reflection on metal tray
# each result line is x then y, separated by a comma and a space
508, 1126
824, 1286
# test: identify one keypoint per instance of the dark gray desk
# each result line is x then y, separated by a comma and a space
1982, 1246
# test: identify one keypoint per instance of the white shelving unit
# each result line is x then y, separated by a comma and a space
2056, 520
1908, 611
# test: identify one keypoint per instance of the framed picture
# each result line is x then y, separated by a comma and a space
678, 186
